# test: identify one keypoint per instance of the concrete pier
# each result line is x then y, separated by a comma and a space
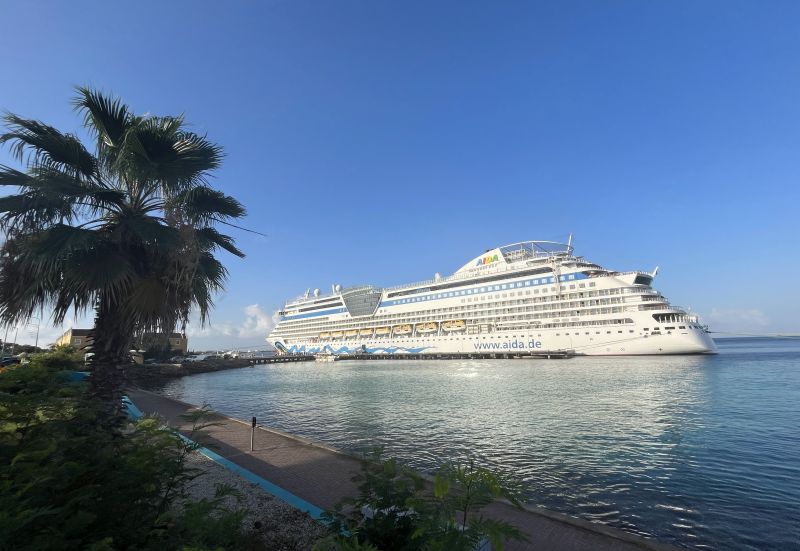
322, 476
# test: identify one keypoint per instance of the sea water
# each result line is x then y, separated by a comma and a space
699, 451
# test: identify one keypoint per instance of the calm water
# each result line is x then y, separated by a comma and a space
702, 452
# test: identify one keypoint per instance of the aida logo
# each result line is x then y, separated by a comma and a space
486, 260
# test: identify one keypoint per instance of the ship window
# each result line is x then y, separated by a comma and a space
572, 276
527, 283
592, 284
681, 327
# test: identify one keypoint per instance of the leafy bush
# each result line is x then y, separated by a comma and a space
397, 511
68, 481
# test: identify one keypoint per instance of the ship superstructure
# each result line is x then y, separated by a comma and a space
533, 296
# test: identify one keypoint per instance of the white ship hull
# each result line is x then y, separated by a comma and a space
519, 301
688, 341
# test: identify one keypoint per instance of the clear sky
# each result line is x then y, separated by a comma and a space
380, 142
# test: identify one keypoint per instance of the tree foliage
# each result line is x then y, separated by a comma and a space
127, 230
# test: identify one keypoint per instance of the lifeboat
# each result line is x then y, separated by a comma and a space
365, 332
428, 327
336, 334
324, 335
404, 329
380, 331
351, 333
454, 325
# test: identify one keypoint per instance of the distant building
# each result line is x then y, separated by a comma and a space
178, 342
80, 339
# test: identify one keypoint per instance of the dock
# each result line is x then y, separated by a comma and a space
282, 358
313, 473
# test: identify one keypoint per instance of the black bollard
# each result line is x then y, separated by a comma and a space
252, 433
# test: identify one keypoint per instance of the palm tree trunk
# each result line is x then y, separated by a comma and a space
111, 341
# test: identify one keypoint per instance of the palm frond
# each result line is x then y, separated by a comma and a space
12, 177
47, 146
22, 291
63, 268
210, 238
144, 230
28, 211
50, 195
100, 271
209, 279
158, 151
105, 116
201, 204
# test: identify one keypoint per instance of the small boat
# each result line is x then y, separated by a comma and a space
351, 333
428, 327
365, 332
380, 331
336, 334
454, 325
324, 335
404, 329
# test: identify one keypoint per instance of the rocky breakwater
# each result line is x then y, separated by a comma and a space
150, 375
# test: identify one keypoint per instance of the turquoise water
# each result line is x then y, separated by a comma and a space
699, 451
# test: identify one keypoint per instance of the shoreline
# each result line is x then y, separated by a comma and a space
321, 475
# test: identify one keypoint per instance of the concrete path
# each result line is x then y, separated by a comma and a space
322, 476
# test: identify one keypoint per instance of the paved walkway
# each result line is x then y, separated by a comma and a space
322, 476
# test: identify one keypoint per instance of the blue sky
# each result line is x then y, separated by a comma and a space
380, 142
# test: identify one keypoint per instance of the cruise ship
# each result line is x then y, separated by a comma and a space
532, 297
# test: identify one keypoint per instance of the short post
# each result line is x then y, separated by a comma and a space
252, 433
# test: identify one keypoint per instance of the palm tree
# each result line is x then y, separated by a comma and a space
127, 231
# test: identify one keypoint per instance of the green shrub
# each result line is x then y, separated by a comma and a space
69, 479
397, 511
